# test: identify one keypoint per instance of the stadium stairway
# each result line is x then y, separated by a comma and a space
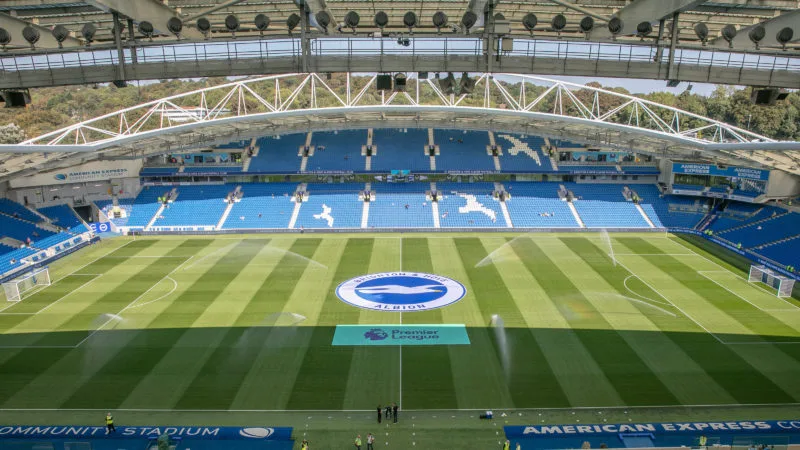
576, 215
496, 159
644, 216
365, 210
435, 208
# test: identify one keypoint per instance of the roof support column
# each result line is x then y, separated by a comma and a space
305, 44
673, 44
488, 31
132, 40
118, 43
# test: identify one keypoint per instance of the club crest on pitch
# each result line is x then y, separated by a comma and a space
400, 291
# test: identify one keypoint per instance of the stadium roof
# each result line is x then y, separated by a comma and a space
284, 104
715, 14
683, 36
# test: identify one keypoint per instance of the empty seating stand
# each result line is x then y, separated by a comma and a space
400, 206
262, 206
469, 205
334, 205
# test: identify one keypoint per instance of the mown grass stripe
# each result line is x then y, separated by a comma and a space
135, 360
760, 323
530, 380
739, 379
630, 376
36, 362
321, 382
431, 363
240, 346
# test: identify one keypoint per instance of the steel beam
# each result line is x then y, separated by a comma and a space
46, 40
742, 41
582, 10
646, 11
213, 9
151, 11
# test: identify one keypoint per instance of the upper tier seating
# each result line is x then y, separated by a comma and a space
467, 205
522, 154
463, 151
211, 168
267, 205
389, 210
338, 151
398, 149
198, 205
278, 155
341, 202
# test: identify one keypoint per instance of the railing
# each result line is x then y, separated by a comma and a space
321, 47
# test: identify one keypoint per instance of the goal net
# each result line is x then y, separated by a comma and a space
783, 285
17, 287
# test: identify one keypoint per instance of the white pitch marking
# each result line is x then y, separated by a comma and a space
703, 273
174, 287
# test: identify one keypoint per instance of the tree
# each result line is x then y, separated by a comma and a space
11, 134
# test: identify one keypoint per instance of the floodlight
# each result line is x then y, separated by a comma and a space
559, 22
88, 32
701, 30
262, 23
146, 28
784, 36
499, 16
232, 23
467, 84
410, 20
643, 29
175, 26
381, 19
447, 85
31, 35
204, 26
728, 33
351, 19
615, 25
468, 20
587, 24
292, 21
5, 37
757, 34
323, 20
439, 20
529, 22
60, 33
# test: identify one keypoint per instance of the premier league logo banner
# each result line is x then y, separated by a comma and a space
401, 291
382, 335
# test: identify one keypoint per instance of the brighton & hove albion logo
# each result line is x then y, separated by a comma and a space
400, 291
256, 432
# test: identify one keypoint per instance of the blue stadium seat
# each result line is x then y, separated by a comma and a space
146, 205
62, 216
469, 205
522, 154
536, 205
398, 149
197, 205
388, 210
278, 155
271, 201
13, 208
341, 201
338, 151
467, 155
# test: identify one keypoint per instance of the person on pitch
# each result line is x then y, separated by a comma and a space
110, 424
370, 441
380, 412
358, 442
394, 412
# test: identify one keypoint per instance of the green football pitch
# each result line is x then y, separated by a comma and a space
237, 324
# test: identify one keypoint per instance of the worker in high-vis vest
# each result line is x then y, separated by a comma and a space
703, 441
110, 423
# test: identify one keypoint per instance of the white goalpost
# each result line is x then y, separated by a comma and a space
17, 287
782, 285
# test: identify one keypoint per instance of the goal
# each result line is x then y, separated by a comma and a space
17, 287
783, 285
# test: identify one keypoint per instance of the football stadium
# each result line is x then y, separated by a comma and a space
248, 224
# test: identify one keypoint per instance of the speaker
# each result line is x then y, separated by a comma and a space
399, 82
384, 82
767, 96
15, 99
